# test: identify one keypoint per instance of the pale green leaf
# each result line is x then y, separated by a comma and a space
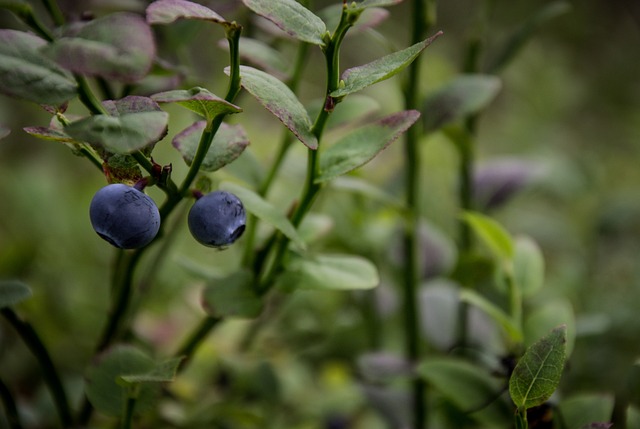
342, 272
538, 372
579, 410
163, 372
528, 266
168, 11
198, 100
545, 316
362, 145
358, 78
233, 296
12, 292
277, 98
496, 313
295, 19
492, 234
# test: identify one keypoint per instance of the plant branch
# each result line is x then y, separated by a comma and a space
10, 408
49, 372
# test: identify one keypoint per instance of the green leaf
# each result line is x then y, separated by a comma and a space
118, 46
496, 313
228, 144
538, 372
168, 11
198, 100
122, 134
362, 145
233, 296
4, 131
163, 372
467, 386
130, 104
465, 95
12, 292
358, 78
367, 189
341, 272
277, 98
29, 75
581, 409
104, 391
55, 132
528, 266
295, 19
492, 234
548, 314
265, 211
517, 41
263, 56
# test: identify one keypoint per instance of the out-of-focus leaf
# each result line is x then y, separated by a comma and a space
29, 75
264, 210
382, 366
232, 296
13, 292
103, 390
393, 405
119, 46
4, 131
494, 236
168, 11
438, 301
497, 181
547, 315
121, 134
341, 272
597, 426
198, 100
366, 188
528, 266
516, 42
496, 313
358, 78
583, 409
538, 372
376, 3
277, 98
163, 372
263, 56
295, 19
228, 144
362, 145
465, 95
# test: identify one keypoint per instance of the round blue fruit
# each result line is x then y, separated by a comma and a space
217, 219
124, 216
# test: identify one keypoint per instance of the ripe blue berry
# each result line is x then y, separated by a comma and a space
124, 216
217, 219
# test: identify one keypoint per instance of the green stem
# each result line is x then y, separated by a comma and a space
521, 420
129, 407
515, 299
10, 408
40, 352
188, 348
54, 11
88, 98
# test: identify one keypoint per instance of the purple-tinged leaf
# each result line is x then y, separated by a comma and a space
383, 366
369, 18
497, 181
198, 100
465, 95
262, 55
4, 131
358, 78
55, 131
277, 98
295, 19
130, 104
168, 11
120, 134
29, 75
228, 144
119, 46
362, 145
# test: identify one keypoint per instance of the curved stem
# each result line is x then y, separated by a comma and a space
188, 348
49, 372
10, 408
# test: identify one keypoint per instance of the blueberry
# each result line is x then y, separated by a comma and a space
217, 219
124, 216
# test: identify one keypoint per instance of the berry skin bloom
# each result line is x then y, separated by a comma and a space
217, 219
124, 216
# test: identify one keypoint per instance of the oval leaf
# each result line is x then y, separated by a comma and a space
295, 19
130, 104
264, 210
122, 134
13, 292
163, 372
233, 296
463, 96
528, 266
198, 100
119, 46
496, 313
103, 390
29, 75
492, 234
579, 410
277, 98
228, 144
538, 372
549, 314
362, 145
360, 77
343, 272
168, 11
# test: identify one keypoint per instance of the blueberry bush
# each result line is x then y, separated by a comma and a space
357, 258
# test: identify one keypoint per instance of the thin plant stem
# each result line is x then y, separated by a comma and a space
423, 13
129, 407
49, 372
10, 408
54, 11
193, 341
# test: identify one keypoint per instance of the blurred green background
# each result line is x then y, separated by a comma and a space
570, 102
